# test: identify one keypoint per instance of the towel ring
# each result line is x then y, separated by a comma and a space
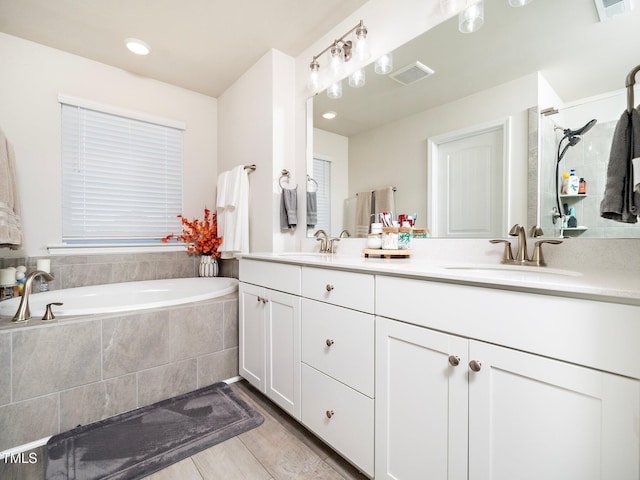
310, 179
285, 174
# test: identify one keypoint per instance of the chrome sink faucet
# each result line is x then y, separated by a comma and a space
518, 231
23, 312
323, 238
522, 257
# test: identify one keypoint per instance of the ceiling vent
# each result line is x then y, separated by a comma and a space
411, 73
607, 9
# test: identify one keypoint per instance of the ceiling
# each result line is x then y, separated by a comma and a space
200, 45
563, 39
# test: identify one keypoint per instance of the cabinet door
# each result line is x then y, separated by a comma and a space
251, 330
421, 403
535, 418
283, 350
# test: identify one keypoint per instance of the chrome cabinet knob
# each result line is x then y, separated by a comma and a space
259, 299
454, 361
475, 365
329, 342
329, 287
329, 413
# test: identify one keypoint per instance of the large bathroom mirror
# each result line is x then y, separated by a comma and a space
545, 54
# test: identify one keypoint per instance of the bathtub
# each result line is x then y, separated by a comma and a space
124, 297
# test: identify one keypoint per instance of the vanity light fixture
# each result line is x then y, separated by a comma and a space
329, 115
137, 46
357, 79
471, 18
384, 64
335, 90
340, 52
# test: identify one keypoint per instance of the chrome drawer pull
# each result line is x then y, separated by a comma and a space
475, 366
329, 287
329, 413
454, 361
329, 342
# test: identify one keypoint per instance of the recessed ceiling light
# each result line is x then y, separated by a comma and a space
329, 115
137, 46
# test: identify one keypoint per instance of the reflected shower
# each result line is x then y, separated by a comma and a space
572, 137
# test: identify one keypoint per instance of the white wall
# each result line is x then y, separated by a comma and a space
33, 76
256, 126
374, 156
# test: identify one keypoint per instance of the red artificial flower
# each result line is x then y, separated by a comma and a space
202, 236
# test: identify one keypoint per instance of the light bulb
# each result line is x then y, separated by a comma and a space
357, 79
137, 46
384, 64
449, 7
519, 3
471, 18
336, 61
313, 79
360, 45
335, 90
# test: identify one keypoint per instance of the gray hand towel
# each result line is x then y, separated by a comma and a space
312, 209
620, 202
289, 208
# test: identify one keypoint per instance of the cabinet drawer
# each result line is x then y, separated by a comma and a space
340, 416
273, 275
347, 289
339, 342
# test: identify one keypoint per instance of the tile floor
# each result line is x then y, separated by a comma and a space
279, 449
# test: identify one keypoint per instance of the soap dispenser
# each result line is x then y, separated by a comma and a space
574, 183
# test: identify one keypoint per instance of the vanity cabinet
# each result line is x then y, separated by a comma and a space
269, 331
338, 361
454, 407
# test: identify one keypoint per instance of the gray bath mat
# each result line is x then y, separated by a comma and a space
142, 441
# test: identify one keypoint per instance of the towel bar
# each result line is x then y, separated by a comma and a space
631, 80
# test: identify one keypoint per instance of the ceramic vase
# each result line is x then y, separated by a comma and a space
208, 266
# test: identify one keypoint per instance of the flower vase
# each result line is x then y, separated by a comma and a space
208, 266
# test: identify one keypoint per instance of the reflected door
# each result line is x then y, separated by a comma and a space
468, 187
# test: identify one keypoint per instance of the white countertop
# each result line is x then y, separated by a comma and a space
602, 284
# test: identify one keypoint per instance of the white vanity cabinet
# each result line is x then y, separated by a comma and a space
269, 330
457, 406
338, 361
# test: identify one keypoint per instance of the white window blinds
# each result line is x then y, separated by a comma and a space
322, 175
121, 177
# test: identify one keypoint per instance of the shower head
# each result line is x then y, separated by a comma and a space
580, 131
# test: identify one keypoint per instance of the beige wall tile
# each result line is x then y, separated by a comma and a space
217, 367
196, 330
167, 381
28, 421
5, 373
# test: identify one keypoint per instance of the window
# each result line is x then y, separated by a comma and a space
322, 175
121, 177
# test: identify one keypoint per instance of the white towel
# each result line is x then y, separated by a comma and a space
636, 174
232, 207
10, 218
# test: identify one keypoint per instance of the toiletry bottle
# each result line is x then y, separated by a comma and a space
573, 221
574, 183
582, 187
564, 186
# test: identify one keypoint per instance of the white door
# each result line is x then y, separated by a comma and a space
533, 418
283, 350
467, 190
421, 403
251, 332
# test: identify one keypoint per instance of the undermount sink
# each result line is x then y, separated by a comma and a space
304, 254
513, 271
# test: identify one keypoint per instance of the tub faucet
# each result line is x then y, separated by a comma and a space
23, 312
518, 231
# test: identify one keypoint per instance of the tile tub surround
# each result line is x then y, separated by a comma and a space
82, 369
82, 270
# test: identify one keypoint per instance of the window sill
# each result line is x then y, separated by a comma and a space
64, 249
